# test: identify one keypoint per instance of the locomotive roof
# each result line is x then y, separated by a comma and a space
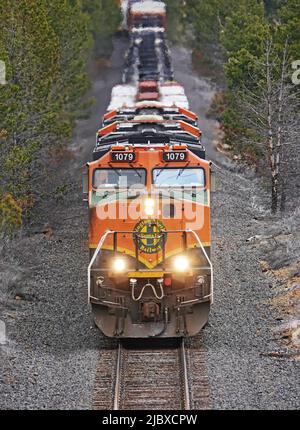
148, 7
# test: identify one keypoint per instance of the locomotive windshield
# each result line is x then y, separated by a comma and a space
182, 177
119, 178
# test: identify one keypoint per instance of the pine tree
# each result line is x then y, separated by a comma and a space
261, 94
261, 115
71, 26
29, 48
289, 15
105, 20
45, 46
176, 19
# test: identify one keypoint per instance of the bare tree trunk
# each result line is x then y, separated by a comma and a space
270, 109
271, 148
279, 144
283, 195
274, 191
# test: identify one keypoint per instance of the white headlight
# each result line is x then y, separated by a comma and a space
181, 263
119, 265
149, 203
149, 211
149, 207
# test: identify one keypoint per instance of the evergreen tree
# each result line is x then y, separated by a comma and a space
45, 45
259, 39
289, 15
176, 19
29, 48
105, 19
71, 26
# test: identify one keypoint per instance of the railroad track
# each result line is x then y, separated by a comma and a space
152, 377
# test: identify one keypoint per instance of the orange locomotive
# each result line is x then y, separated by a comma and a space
148, 191
150, 272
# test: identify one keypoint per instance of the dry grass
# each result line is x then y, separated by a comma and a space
287, 302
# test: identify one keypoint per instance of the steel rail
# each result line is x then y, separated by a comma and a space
117, 388
185, 377
183, 370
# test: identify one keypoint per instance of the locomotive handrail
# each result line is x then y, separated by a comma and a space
100, 244
110, 232
209, 262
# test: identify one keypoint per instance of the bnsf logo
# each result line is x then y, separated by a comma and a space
148, 236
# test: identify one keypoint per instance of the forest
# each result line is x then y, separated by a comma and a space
45, 47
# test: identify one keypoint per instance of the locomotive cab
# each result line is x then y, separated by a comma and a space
150, 273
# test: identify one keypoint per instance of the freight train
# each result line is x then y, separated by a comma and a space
148, 190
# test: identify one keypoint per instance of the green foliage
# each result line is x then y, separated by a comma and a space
208, 17
289, 15
31, 61
259, 40
245, 28
28, 107
74, 47
45, 45
176, 19
105, 19
242, 30
243, 37
10, 213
